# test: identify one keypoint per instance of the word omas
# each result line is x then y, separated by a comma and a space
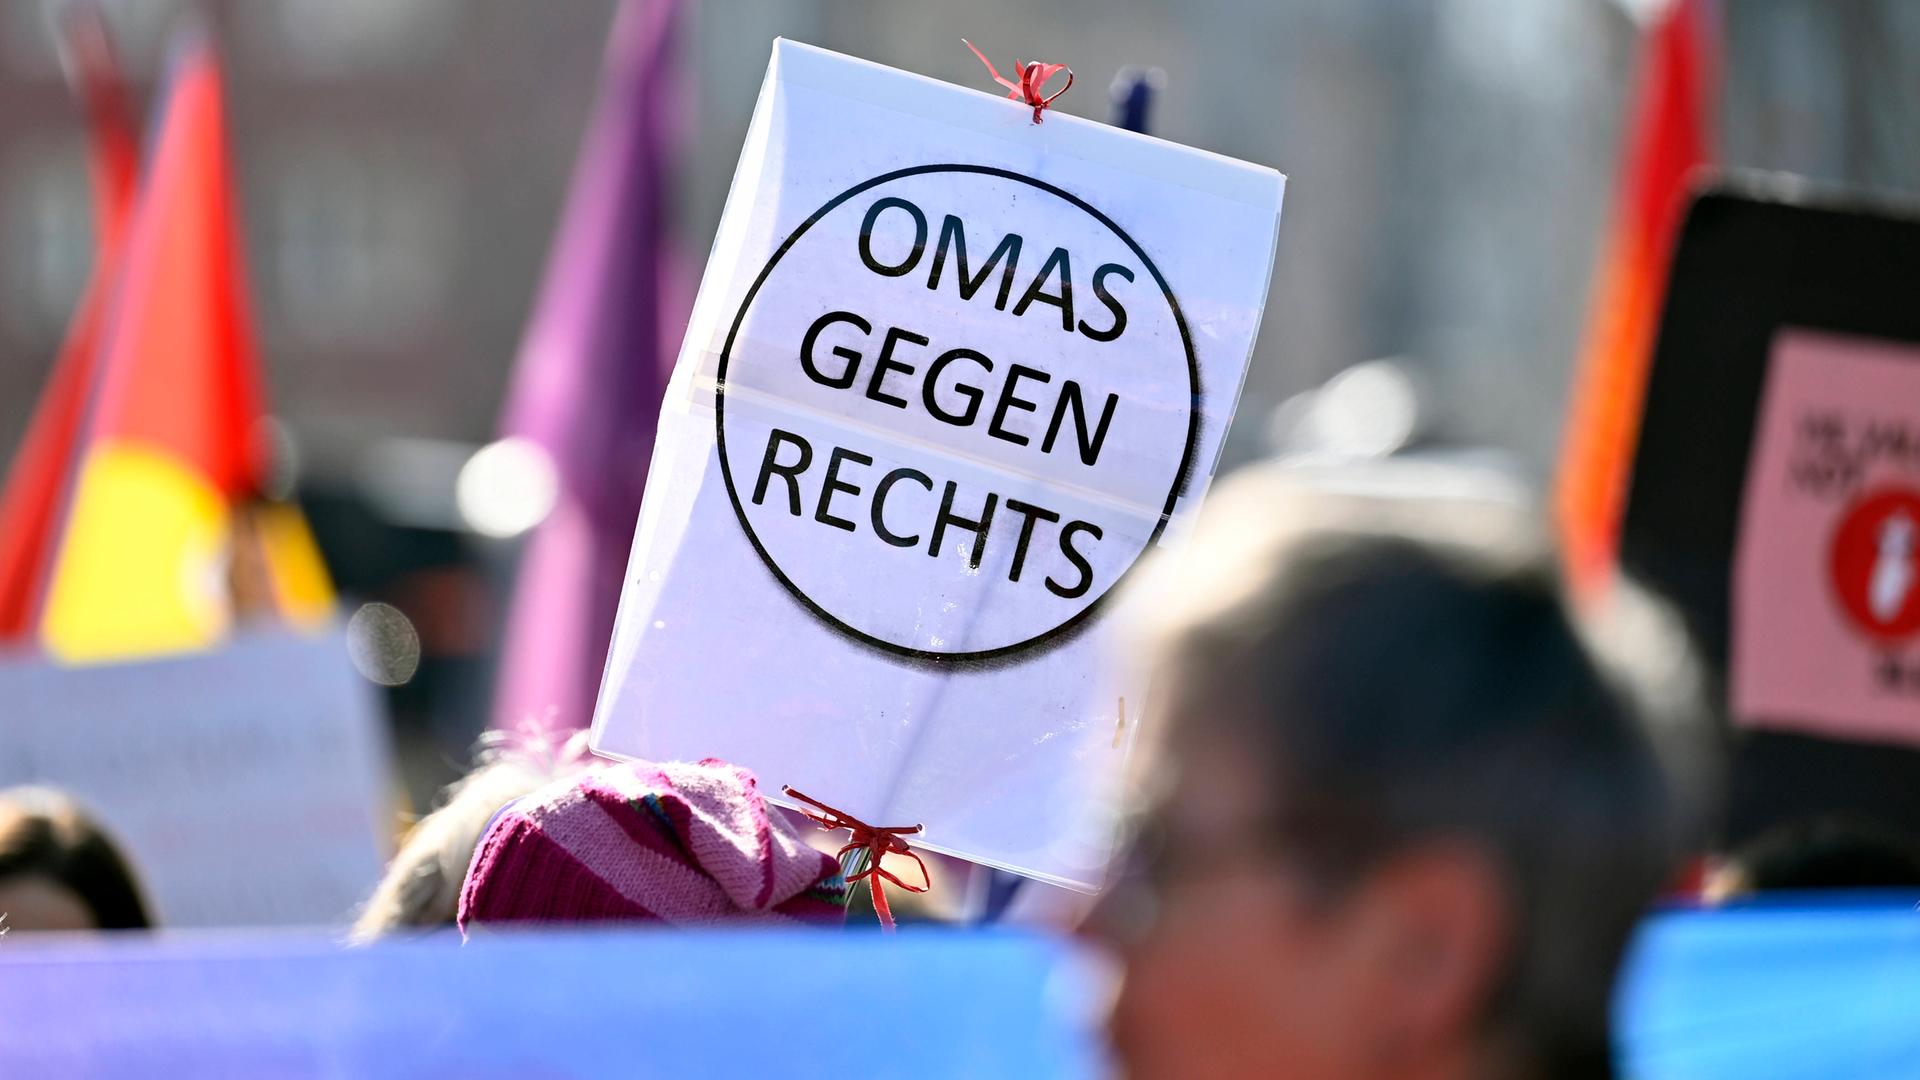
958, 386
953, 237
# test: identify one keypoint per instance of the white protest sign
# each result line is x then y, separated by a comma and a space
950, 375
248, 786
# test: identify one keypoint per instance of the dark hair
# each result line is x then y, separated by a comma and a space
44, 833
1406, 687
1828, 852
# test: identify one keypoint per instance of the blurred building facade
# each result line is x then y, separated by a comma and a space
400, 161
1451, 165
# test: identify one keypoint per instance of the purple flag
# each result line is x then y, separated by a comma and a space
590, 375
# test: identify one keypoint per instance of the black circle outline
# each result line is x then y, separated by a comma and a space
1173, 495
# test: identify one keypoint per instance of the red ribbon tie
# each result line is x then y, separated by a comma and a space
876, 840
1033, 78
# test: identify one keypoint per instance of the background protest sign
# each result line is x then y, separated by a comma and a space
1775, 289
246, 784
1826, 615
950, 375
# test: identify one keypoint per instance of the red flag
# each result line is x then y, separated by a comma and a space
37, 481
1668, 140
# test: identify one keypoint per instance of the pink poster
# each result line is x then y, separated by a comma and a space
1826, 576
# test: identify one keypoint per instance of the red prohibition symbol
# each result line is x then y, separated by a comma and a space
1874, 563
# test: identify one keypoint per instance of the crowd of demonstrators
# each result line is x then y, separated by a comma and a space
1401, 808
1399, 813
59, 870
1398, 810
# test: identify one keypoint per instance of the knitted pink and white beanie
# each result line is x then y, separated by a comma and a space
679, 843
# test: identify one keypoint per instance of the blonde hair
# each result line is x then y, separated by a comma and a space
421, 888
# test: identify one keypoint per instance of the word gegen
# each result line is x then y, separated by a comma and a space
955, 386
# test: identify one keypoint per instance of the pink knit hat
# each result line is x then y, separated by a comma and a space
685, 844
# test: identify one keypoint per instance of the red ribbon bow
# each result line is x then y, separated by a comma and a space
1033, 77
877, 840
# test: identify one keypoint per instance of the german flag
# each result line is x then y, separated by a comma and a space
167, 539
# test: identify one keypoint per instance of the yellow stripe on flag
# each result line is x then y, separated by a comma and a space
143, 565
302, 591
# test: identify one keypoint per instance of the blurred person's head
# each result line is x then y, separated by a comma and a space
421, 887
1834, 851
1400, 817
59, 870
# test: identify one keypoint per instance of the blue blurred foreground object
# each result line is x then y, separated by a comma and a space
616, 1003
1769, 990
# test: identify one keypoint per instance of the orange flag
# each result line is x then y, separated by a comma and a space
37, 481
173, 464
1667, 142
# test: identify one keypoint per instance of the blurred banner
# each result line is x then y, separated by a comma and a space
586, 391
162, 548
1760, 992
550, 1004
1668, 139
1774, 991
247, 785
